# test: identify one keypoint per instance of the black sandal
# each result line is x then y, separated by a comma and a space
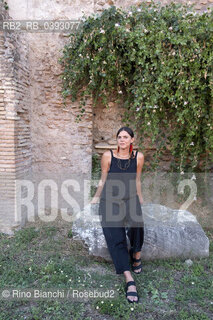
131, 293
135, 260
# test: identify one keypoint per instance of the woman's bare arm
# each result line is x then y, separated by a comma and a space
140, 163
105, 162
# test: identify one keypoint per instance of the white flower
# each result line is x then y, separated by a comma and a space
154, 110
173, 53
182, 172
185, 102
80, 55
132, 309
192, 143
193, 177
97, 307
148, 123
120, 92
138, 108
139, 10
170, 28
193, 283
127, 30
145, 30
190, 12
102, 301
117, 25
102, 31
111, 304
130, 13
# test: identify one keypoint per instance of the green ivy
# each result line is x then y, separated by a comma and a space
5, 4
156, 61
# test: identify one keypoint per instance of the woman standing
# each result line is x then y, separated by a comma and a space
120, 196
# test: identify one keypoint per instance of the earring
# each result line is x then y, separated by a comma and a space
130, 149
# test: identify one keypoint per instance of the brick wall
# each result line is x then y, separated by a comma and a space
15, 140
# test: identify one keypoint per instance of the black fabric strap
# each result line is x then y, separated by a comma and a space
130, 283
131, 293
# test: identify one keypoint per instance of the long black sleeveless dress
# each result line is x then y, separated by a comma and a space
120, 211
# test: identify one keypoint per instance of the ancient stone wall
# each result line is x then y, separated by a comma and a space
39, 138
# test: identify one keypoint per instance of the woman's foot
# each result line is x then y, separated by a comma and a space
131, 293
137, 255
136, 261
131, 288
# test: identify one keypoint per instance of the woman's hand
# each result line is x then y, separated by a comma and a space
141, 199
105, 162
94, 200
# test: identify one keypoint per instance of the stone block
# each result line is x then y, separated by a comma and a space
167, 233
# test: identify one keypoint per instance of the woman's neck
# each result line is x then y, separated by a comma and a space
123, 153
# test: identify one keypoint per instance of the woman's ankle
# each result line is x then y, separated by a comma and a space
128, 276
137, 255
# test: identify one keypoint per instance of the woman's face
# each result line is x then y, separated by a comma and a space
124, 139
